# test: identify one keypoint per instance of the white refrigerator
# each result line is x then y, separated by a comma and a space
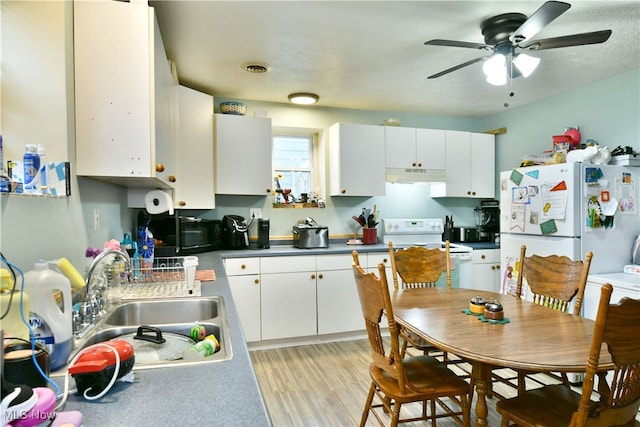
569, 209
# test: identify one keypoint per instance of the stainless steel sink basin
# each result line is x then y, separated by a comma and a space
174, 315
148, 312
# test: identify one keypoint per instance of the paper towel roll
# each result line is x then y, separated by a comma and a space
157, 201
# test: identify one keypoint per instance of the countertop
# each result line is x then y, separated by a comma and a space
223, 393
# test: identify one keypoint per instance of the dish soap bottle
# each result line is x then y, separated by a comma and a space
51, 326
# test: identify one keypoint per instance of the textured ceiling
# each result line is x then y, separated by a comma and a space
371, 55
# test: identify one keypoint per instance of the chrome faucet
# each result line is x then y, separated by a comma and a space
92, 302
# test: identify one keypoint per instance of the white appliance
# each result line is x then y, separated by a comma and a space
569, 209
427, 232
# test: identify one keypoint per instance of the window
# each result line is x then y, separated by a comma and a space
293, 164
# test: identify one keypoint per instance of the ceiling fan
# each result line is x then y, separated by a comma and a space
508, 34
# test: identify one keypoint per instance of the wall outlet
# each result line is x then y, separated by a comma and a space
255, 213
96, 219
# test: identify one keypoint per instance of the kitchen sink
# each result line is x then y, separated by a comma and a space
172, 315
179, 310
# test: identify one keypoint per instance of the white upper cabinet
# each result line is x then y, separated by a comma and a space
243, 155
414, 148
357, 160
124, 95
470, 166
194, 187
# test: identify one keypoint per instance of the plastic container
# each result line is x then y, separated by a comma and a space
45, 180
31, 166
52, 326
202, 349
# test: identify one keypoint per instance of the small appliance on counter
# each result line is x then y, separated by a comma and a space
309, 235
182, 235
235, 233
488, 220
263, 233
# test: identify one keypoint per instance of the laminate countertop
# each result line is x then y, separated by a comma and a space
224, 393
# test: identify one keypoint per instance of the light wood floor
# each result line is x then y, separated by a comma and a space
327, 384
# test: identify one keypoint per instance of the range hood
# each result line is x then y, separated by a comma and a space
412, 175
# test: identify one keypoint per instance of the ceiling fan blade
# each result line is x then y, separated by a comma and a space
567, 41
540, 18
457, 67
454, 43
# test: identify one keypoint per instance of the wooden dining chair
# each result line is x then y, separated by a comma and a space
619, 401
397, 380
553, 281
419, 267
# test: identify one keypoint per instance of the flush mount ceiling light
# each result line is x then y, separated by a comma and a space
304, 98
255, 67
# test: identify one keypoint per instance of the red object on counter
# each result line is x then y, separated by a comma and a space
574, 133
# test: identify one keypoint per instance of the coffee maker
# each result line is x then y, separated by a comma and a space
263, 233
488, 220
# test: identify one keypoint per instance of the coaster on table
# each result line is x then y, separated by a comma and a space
493, 321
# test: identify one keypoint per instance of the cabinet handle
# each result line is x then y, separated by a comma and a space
468, 193
473, 192
419, 164
343, 191
483, 256
242, 267
268, 191
313, 276
172, 178
384, 260
413, 164
159, 167
320, 276
182, 203
256, 281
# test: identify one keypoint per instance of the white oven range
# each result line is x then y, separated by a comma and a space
428, 232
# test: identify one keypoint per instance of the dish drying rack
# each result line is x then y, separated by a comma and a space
166, 277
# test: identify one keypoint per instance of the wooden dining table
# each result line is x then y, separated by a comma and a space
536, 338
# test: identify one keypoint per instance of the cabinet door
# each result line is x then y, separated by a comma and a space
194, 151
431, 149
246, 297
482, 165
339, 307
115, 92
243, 155
458, 159
357, 156
400, 147
288, 304
486, 270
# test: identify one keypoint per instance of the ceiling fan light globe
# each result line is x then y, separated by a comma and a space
493, 65
526, 64
497, 79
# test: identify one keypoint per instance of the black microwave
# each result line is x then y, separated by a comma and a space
183, 235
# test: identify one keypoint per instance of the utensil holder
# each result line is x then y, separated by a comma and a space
370, 236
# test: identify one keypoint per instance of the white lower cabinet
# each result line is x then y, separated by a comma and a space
294, 296
244, 280
288, 296
486, 270
338, 301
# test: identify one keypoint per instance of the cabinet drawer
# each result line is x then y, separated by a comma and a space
486, 256
287, 264
241, 266
334, 262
